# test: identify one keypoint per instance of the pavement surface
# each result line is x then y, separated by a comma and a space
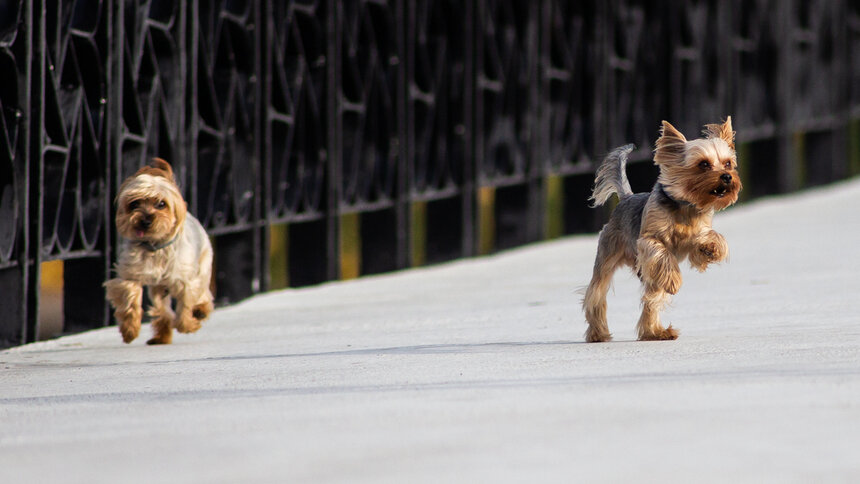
476, 371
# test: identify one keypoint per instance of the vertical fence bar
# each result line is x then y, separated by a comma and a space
225, 114
571, 112
335, 181
295, 151
470, 185
754, 93
506, 109
368, 80
34, 175
84, 302
16, 54
436, 110
818, 89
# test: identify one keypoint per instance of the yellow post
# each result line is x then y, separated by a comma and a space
51, 313
350, 246
554, 207
279, 274
419, 233
486, 220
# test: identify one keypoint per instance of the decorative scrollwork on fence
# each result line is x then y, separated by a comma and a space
429, 129
370, 73
14, 91
74, 131
436, 96
153, 91
296, 122
755, 65
225, 127
696, 61
638, 73
568, 67
815, 81
505, 70
852, 23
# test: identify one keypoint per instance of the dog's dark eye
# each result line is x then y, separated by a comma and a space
161, 205
704, 165
133, 204
728, 165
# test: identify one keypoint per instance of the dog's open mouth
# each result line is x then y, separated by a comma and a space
720, 191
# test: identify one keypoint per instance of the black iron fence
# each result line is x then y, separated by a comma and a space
314, 138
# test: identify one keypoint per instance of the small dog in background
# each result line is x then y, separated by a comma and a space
653, 232
164, 248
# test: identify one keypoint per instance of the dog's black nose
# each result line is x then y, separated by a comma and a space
145, 222
726, 178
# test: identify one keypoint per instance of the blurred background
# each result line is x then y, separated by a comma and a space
329, 139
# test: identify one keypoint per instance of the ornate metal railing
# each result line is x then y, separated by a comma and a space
439, 128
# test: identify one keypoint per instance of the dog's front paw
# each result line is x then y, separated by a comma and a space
593, 335
660, 334
160, 340
129, 322
129, 332
187, 325
711, 252
711, 248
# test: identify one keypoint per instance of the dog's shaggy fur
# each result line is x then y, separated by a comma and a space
164, 248
653, 232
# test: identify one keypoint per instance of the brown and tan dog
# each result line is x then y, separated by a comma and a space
164, 248
653, 232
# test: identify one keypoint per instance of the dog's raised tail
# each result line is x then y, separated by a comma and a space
612, 176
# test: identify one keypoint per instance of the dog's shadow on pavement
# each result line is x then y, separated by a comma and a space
440, 348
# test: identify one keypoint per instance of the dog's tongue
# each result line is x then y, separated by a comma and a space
139, 233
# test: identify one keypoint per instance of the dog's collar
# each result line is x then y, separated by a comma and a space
155, 247
665, 194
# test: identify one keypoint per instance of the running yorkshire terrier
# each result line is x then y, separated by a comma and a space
653, 232
165, 248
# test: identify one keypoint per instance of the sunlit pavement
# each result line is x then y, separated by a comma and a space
476, 371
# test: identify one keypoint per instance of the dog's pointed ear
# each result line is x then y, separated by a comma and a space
722, 131
670, 145
160, 164
669, 132
158, 167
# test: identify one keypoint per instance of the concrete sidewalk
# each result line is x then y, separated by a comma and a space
475, 371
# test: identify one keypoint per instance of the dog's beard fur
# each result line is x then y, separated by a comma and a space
653, 232
165, 249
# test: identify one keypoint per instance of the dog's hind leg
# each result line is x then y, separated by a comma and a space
594, 302
202, 302
185, 321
